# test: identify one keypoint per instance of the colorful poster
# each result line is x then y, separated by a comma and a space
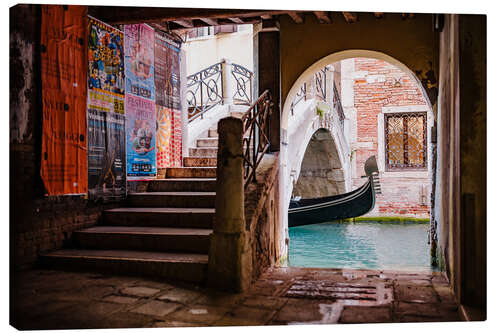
177, 140
164, 136
139, 60
105, 113
64, 140
141, 138
105, 70
167, 71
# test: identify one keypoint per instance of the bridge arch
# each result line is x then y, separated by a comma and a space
288, 158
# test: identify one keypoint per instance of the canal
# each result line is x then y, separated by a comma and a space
363, 245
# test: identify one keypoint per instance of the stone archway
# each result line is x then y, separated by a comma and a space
321, 172
288, 156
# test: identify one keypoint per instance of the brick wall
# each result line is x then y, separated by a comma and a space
380, 86
38, 223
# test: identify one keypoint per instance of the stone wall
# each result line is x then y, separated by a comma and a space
38, 223
379, 88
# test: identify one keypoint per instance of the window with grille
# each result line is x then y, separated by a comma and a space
405, 141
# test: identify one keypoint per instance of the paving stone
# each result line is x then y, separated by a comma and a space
120, 299
365, 314
444, 293
409, 292
245, 316
299, 310
157, 308
264, 302
140, 291
180, 295
205, 315
173, 323
419, 309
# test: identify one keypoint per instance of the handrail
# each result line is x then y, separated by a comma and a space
203, 90
206, 88
337, 104
256, 135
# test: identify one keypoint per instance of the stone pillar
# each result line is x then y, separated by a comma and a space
269, 75
229, 265
227, 83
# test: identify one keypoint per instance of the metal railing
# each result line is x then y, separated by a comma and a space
256, 135
320, 84
301, 95
337, 104
243, 78
206, 88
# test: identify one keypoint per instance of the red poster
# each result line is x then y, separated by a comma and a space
64, 95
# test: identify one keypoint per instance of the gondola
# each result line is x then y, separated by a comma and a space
335, 207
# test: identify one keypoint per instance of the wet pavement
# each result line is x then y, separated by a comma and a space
48, 299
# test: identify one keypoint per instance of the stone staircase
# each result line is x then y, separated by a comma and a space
163, 232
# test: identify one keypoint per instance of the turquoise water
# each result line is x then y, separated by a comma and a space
361, 245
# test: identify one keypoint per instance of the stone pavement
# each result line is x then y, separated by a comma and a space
48, 299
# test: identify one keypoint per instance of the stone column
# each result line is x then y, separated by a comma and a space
227, 83
229, 265
269, 75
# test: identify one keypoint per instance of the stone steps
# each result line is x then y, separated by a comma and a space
203, 152
200, 161
207, 142
191, 172
191, 267
182, 185
172, 199
160, 217
183, 240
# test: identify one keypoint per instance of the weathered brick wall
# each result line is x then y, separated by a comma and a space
378, 85
38, 223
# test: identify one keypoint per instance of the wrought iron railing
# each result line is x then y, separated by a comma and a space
301, 95
256, 135
320, 84
337, 104
204, 90
243, 78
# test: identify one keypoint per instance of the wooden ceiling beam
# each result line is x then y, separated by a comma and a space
298, 18
184, 23
131, 15
378, 15
407, 16
236, 20
323, 17
209, 21
350, 17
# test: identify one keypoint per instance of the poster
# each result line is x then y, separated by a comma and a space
164, 137
141, 138
140, 101
167, 71
105, 113
167, 83
139, 60
64, 140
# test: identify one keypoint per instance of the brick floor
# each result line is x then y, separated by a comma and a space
47, 299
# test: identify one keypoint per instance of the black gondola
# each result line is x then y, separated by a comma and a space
335, 207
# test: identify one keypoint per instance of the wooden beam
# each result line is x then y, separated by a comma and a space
184, 23
130, 15
236, 20
298, 18
378, 15
266, 17
323, 17
209, 21
350, 17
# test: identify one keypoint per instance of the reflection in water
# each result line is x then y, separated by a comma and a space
362, 245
